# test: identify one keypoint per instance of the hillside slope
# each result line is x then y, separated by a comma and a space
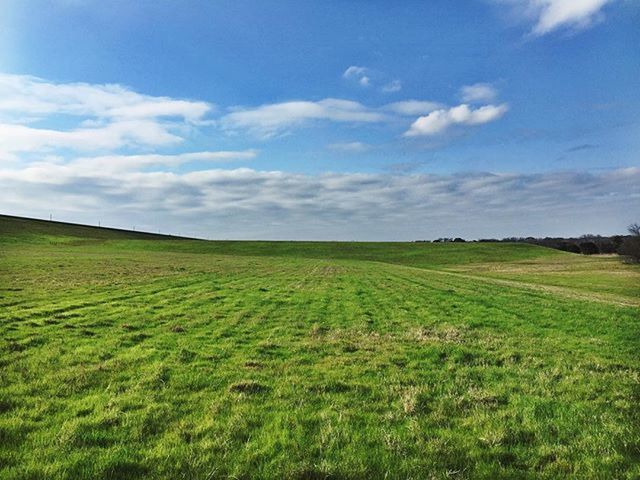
22, 230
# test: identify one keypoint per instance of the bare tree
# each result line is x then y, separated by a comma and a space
630, 247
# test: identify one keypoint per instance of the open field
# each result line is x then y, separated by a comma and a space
126, 356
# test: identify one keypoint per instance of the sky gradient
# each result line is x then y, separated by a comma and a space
360, 120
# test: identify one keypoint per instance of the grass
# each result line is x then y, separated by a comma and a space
125, 356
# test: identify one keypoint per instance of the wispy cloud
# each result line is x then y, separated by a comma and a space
358, 74
349, 147
25, 95
96, 117
392, 87
478, 92
552, 15
367, 77
273, 119
114, 135
582, 147
439, 121
413, 107
555, 14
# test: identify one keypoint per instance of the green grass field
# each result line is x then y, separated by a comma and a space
131, 356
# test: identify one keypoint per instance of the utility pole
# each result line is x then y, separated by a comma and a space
50, 216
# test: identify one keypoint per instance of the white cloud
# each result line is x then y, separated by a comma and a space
392, 87
562, 13
439, 121
27, 95
245, 203
354, 72
273, 119
349, 147
478, 92
358, 74
95, 117
552, 15
413, 107
148, 189
366, 77
270, 120
21, 138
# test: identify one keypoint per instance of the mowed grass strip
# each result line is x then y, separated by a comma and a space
121, 362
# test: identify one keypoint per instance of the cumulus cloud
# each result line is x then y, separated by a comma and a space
439, 121
478, 92
272, 119
551, 15
245, 203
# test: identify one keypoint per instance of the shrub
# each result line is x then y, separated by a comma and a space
589, 248
607, 247
569, 247
630, 248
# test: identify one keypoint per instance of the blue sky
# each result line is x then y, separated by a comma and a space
327, 120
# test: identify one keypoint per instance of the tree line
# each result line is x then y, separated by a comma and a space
627, 246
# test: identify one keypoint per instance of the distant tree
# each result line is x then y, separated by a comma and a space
589, 248
630, 247
607, 246
459, 240
511, 239
617, 241
569, 247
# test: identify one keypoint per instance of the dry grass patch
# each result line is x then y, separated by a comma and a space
248, 387
440, 334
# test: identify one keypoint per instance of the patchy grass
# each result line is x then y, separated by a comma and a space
164, 358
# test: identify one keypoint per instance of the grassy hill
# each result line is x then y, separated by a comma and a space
22, 230
127, 355
31, 230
